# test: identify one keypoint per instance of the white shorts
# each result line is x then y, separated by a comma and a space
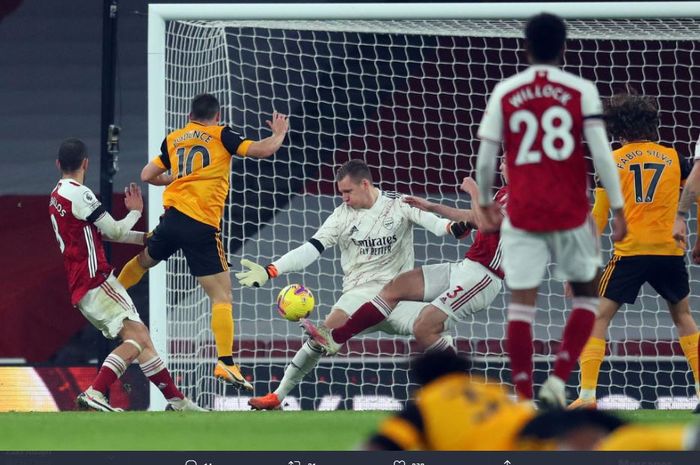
460, 289
107, 306
400, 321
526, 254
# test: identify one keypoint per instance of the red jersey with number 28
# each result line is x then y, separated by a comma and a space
538, 115
73, 208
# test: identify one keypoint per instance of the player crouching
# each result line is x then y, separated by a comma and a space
451, 291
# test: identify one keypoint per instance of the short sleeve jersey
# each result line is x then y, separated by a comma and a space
73, 208
199, 159
651, 176
538, 115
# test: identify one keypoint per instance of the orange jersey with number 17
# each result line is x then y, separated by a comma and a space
650, 177
199, 159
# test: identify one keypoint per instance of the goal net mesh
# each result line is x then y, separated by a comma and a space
407, 97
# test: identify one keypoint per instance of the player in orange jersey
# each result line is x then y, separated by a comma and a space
198, 157
585, 429
651, 175
453, 411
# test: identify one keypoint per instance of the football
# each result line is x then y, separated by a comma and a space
295, 302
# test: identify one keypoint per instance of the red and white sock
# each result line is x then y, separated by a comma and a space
519, 347
576, 333
444, 344
156, 371
112, 369
368, 315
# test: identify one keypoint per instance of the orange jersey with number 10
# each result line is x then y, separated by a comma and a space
651, 177
199, 159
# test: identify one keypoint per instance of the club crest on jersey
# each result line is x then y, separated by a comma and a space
388, 223
89, 198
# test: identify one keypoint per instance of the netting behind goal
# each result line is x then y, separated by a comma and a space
406, 96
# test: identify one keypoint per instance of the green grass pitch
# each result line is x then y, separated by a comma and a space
226, 431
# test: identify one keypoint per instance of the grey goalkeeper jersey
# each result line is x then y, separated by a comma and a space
376, 244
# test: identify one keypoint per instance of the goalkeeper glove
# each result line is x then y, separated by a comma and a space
460, 229
256, 275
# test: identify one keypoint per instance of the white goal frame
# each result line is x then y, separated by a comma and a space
158, 14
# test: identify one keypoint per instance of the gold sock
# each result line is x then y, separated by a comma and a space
222, 326
689, 344
131, 273
591, 359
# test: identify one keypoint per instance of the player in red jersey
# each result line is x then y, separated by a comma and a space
454, 290
80, 222
541, 116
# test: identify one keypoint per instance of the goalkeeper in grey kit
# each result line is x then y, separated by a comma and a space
374, 230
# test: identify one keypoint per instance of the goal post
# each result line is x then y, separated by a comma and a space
402, 85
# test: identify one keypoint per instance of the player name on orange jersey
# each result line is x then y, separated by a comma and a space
629, 156
193, 135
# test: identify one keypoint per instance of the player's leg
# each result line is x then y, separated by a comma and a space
688, 335
113, 367
525, 259
406, 286
154, 368
132, 272
218, 289
593, 353
161, 245
577, 253
620, 283
204, 251
311, 352
669, 277
108, 307
457, 291
303, 362
428, 330
306, 359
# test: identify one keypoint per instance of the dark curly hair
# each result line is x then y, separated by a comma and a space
632, 117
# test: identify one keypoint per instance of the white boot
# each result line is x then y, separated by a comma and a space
95, 400
184, 405
553, 394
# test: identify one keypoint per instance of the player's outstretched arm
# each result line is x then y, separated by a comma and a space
268, 146
597, 139
451, 213
254, 276
155, 175
487, 159
601, 209
295, 260
120, 231
435, 224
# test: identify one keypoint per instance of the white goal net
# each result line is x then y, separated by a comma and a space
407, 97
